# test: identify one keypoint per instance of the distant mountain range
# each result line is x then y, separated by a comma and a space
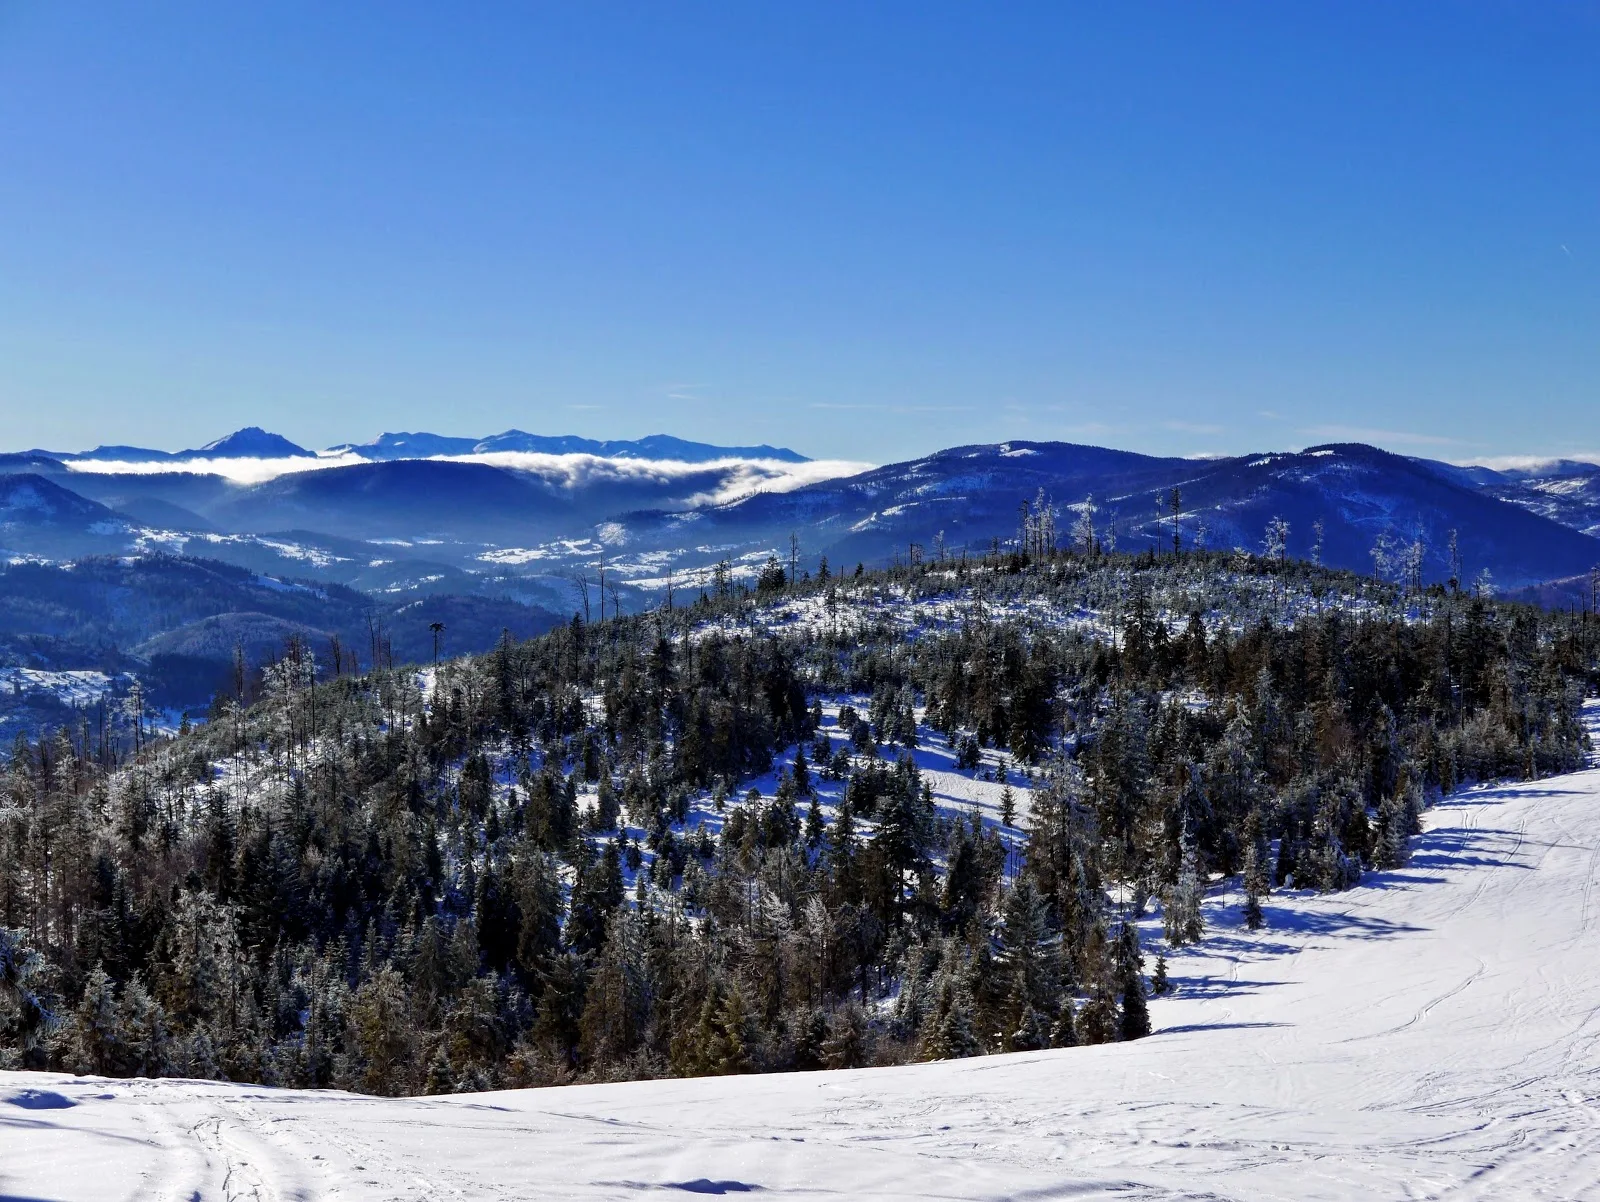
255, 443
250, 443
657, 504
497, 540
655, 446
642, 518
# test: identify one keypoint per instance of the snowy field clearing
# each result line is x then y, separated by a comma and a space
69, 688
1432, 1034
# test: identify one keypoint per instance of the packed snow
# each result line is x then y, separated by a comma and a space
1433, 1033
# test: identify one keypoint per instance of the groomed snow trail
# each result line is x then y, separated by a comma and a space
1431, 1034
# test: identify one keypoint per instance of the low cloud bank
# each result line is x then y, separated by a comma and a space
716, 482
1529, 464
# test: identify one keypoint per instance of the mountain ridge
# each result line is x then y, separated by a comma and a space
253, 442
1376, 510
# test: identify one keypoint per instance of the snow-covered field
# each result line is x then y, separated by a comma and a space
1434, 1033
69, 688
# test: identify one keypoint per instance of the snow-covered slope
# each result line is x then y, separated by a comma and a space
1434, 1033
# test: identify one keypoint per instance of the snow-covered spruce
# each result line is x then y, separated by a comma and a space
1426, 1034
718, 840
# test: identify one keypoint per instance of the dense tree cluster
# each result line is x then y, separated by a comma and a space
537, 865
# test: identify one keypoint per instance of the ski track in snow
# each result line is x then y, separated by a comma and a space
1430, 1034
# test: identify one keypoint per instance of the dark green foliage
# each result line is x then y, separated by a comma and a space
1159, 983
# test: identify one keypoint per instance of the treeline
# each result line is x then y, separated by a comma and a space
545, 864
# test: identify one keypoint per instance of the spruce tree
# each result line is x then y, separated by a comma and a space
947, 1031
730, 1051
384, 1033
846, 1044
1027, 954
1135, 1011
1182, 918
814, 828
92, 1036
1032, 1031
1159, 982
30, 1021
1255, 873
1098, 1020
1064, 1032
1135, 1020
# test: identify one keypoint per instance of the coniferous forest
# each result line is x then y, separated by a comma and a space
702, 840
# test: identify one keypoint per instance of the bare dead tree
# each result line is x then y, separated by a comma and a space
580, 584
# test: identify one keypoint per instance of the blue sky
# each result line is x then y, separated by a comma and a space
865, 231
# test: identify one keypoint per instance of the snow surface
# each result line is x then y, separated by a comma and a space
1434, 1033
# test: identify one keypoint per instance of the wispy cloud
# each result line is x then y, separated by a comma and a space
1368, 434
880, 408
715, 483
240, 471
1193, 427
1269, 415
584, 408
1046, 407
1527, 463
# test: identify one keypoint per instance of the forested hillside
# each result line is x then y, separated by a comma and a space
151, 633
837, 821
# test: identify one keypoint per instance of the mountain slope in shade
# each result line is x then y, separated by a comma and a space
1564, 490
399, 499
461, 500
975, 494
185, 616
1360, 493
1549, 469
1429, 1033
971, 493
1571, 498
40, 518
30, 461
27, 499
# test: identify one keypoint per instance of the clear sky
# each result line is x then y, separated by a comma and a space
863, 230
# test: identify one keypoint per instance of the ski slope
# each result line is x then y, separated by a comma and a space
1431, 1034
